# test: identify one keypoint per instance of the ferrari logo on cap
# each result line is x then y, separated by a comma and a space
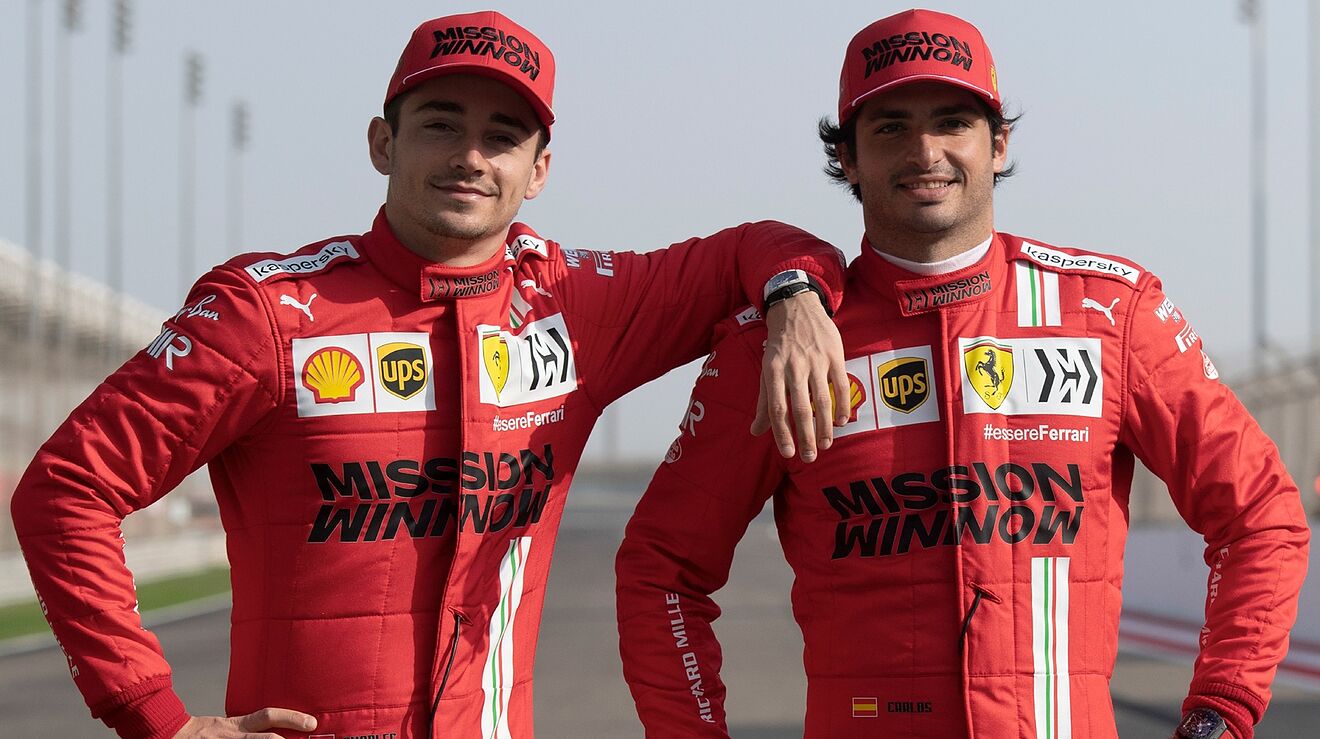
495, 356
990, 371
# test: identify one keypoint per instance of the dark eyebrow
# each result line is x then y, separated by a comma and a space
878, 113
440, 106
511, 121
960, 109
447, 106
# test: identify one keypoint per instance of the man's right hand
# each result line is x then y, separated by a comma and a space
255, 725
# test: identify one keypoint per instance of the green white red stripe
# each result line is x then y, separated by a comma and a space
497, 676
1037, 296
1049, 647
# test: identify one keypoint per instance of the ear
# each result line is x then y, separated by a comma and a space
847, 163
379, 142
999, 147
540, 171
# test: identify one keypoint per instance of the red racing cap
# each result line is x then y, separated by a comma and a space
911, 46
484, 43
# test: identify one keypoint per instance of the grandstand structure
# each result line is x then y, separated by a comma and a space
60, 335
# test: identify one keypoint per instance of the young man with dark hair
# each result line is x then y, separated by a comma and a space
958, 552
392, 421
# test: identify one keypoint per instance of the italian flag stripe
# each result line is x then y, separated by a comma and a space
1037, 296
497, 674
1049, 647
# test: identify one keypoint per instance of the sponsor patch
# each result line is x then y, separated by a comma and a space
440, 288
602, 261
916, 45
1211, 372
1041, 432
301, 264
1012, 377
865, 707
748, 314
491, 42
930, 297
383, 372
171, 345
1037, 296
1167, 311
889, 389
199, 310
1084, 262
528, 420
536, 363
526, 243
1186, 338
306, 308
1098, 307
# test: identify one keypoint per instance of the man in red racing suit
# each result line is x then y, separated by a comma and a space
958, 552
390, 440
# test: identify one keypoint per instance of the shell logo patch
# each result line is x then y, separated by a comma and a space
332, 374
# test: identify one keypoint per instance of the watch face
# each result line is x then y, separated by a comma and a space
1202, 723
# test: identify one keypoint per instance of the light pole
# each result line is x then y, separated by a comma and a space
114, 197
238, 145
192, 97
1253, 15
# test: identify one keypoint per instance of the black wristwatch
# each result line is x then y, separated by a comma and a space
792, 282
1201, 723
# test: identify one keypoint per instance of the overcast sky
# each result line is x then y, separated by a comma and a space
681, 118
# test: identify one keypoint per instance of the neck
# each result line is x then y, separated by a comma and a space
450, 251
935, 246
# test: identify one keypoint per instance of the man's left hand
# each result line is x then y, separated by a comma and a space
803, 358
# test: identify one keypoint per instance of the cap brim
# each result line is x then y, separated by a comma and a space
978, 91
543, 112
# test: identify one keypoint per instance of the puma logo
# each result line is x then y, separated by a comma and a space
291, 301
1109, 312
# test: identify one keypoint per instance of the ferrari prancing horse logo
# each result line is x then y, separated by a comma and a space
990, 370
495, 354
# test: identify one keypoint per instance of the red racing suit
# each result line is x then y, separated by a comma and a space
390, 442
958, 552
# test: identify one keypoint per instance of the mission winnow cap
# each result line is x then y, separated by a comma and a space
484, 43
912, 46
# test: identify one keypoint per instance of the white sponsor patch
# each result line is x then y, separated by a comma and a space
748, 314
525, 243
1186, 338
302, 264
1167, 311
170, 344
890, 389
1039, 432
1211, 372
382, 372
1013, 377
536, 363
1086, 262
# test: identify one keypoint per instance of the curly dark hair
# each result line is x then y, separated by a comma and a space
832, 136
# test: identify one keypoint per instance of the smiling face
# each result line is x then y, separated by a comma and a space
925, 161
463, 158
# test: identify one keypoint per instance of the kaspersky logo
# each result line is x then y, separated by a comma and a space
333, 375
990, 370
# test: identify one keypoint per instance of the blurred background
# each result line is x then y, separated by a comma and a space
143, 141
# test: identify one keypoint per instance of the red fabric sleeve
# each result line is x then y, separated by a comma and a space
1227, 481
641, 315
679, 545
202, 383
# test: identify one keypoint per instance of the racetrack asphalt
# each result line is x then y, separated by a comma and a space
579, 686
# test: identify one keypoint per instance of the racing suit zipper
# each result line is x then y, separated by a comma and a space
449, 664
981, 592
